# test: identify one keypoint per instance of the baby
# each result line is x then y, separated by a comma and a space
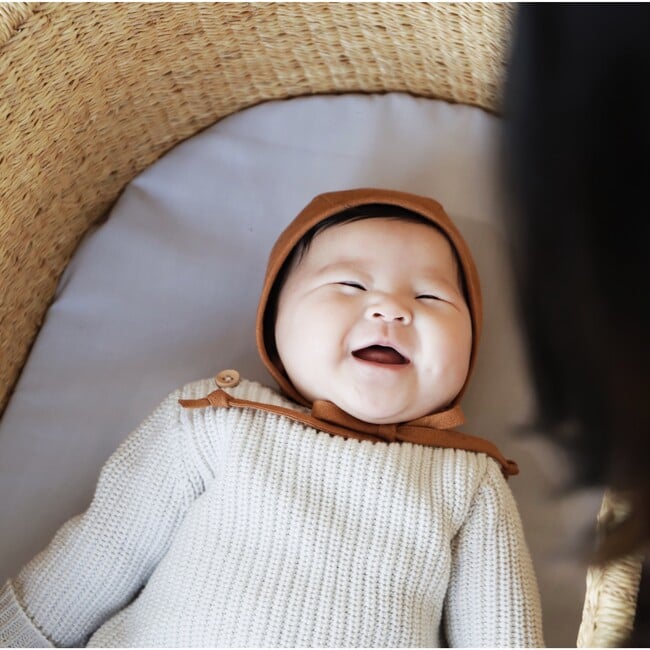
344, 511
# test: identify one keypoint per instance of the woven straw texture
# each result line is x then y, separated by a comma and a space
91, 94
610, 601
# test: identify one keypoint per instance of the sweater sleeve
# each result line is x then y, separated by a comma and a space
492, 599
98, 561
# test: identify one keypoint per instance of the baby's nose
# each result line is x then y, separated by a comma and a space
389, 310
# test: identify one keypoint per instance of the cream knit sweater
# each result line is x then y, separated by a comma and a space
234, 527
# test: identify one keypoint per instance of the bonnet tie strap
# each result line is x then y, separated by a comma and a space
431, 430
329, 412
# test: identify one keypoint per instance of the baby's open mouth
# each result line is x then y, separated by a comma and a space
380, 354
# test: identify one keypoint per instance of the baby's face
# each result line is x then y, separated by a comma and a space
373, 319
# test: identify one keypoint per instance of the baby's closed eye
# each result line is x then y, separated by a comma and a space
352, 284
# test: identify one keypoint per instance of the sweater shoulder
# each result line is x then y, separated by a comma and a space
490, 491
209, 432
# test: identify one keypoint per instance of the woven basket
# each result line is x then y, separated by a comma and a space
610, 600
91, 94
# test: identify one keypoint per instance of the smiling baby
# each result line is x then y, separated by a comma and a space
345, 509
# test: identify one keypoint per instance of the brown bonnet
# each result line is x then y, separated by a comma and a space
332, 203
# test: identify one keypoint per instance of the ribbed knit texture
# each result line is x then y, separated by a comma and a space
234, 527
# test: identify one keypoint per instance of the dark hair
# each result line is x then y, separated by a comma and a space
358, 213
577, 157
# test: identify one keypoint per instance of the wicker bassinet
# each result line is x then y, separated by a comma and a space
91, 94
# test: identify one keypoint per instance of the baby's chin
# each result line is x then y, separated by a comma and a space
386, 413
379, 407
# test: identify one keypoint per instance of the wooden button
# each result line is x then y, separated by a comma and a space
227, 378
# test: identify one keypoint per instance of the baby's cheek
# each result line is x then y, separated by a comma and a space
456, 338
446, 359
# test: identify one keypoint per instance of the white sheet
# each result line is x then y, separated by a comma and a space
165, 292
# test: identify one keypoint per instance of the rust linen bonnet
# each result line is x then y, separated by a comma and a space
332, 203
